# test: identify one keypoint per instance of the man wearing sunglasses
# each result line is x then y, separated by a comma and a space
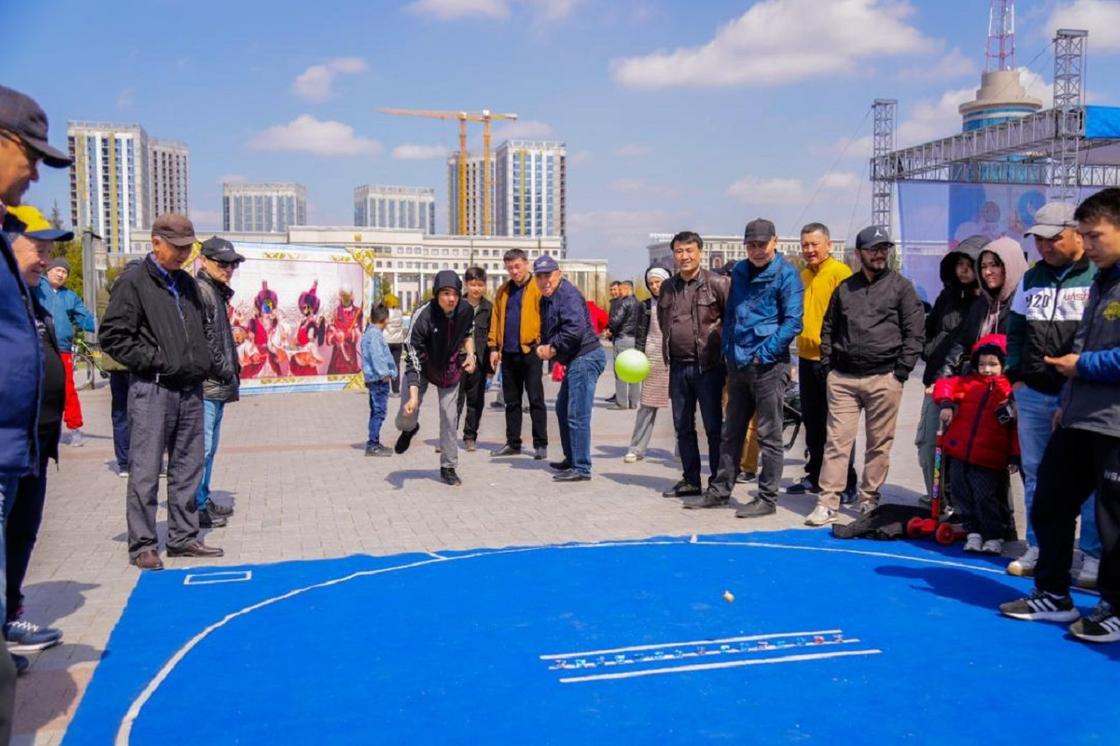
219, 261
871, 337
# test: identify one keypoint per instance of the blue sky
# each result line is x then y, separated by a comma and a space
698, 115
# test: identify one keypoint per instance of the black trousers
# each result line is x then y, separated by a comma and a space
814, 415
1075, 464
395, 351
21, 529
690, 386
472, 394
980, 494
118, 389
755, 391
522, 375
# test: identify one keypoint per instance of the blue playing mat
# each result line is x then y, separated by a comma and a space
820, 640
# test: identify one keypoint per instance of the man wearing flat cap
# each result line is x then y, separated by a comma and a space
219, 261
23, 145
155, 325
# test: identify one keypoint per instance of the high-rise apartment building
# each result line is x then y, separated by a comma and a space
475, 220
170, 172
263, 208
395, 208
530, 187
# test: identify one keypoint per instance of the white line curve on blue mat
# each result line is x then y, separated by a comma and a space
124, 732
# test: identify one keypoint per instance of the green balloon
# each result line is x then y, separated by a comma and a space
631, 366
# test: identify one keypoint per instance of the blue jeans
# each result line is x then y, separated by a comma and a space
573, 408
1036, 411
212, 412
378, 410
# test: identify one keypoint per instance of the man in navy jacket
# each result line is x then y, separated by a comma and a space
763, 317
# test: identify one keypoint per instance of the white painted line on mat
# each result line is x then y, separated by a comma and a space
436, 556
710, 666
211, 578
861, 552
635, 648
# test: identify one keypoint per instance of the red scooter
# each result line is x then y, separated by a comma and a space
943, 532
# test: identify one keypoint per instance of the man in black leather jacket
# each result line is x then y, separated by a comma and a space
219, 261
626, 317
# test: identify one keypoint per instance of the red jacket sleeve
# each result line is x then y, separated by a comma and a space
947, 391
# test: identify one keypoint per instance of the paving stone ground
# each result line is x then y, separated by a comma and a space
293, 466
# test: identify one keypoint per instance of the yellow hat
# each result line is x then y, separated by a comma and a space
35, 225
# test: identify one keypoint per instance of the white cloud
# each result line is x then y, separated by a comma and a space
527, 129
451, 10
410, 152
1100, 17
582, 156
306, 134
783, 41
232, 179
641, 186
950, 67
126, 98
633, 150
784, 192
619, 236
314, 83
206, 219
839, 180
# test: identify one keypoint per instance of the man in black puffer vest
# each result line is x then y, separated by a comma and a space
154, 326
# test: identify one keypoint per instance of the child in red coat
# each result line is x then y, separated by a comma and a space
980, 436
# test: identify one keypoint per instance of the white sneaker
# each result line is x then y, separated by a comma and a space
1024, 566
821, 516
631, 458
1087, 576
992, 546
973, 543
76, 439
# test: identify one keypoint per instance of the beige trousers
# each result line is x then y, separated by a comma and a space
878, 397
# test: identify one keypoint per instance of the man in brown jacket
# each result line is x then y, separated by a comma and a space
690, 312
515, 331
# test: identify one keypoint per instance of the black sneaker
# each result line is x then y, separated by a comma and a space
1041, 605
540, 453
218, 509
804, 487
564, 465
708, 499
682, 489
497, 405
506, 450
379, 451
1102, 625
448, 476
571, 475
755, 509
746, 477
405, 440
206, 519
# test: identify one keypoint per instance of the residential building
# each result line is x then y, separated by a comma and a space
395, 208
475, 221
263, 208
170, 177
110, 182
530, 189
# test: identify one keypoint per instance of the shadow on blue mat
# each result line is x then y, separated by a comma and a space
759, 638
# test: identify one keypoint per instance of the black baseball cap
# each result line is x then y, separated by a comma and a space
759, 229
20, 115
220, 250
872, 236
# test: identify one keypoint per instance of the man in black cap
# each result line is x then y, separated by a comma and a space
219, 260
23, 145
440, 347
871, 338
155, 326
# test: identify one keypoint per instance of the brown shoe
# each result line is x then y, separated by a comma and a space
195, 549
148, 560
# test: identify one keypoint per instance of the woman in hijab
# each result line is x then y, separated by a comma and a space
655, 388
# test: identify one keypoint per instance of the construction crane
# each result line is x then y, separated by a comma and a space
486, 117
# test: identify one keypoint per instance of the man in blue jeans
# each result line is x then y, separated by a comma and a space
219, 262
690, 312
568, 338
762, 318
1047, 309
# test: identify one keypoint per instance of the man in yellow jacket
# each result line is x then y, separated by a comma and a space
515, 331
821, 276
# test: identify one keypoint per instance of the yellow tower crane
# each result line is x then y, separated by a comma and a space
486, 117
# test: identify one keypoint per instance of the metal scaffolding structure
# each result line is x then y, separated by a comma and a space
1046, 148
882, 185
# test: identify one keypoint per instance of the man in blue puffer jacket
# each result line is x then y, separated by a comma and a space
66, 308
762, 318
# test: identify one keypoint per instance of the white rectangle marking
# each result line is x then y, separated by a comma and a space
748, 638
212, 578
710, 666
